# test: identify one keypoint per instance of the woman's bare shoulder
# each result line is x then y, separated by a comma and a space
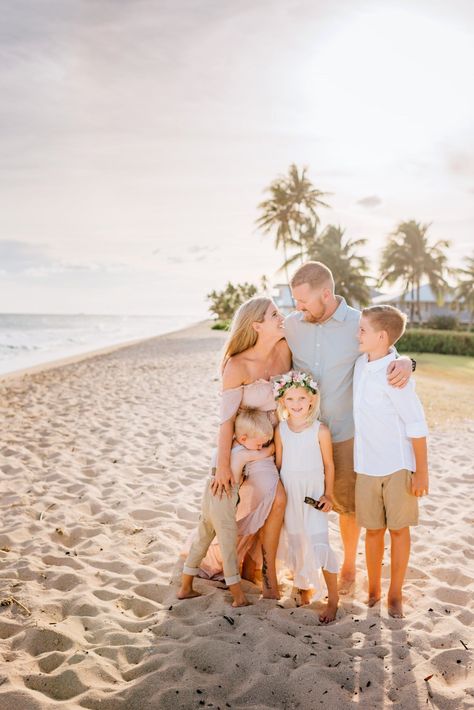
234, 373
284, 352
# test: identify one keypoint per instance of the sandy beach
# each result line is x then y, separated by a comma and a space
103, 462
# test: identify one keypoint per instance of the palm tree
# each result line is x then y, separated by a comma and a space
465, 288
348, 267
292, 203
408, 257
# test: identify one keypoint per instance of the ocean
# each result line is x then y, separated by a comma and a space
27, 340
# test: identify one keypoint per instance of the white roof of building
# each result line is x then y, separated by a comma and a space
426, 296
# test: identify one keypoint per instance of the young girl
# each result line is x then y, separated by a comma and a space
303, 453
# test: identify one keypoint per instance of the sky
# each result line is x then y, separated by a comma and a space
137, 138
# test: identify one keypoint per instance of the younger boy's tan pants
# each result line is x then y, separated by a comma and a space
217, 518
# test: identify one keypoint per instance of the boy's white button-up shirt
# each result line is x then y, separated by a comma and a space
385, 420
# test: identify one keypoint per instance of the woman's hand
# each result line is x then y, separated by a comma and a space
223, 482
326, 502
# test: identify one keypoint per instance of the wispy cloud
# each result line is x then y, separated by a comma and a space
370, 201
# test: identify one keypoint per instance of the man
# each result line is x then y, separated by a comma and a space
322, 335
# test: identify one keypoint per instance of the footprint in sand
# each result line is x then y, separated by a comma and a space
64, 686
37, 641
51, 662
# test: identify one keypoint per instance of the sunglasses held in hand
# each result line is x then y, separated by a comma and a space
314, 503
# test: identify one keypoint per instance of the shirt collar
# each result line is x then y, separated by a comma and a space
379, 364
341, 311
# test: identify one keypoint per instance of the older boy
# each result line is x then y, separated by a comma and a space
390, 453
253, 432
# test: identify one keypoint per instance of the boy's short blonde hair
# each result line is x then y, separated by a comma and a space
313, 273
387, 318
253, 423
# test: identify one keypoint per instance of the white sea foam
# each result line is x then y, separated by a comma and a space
27, 340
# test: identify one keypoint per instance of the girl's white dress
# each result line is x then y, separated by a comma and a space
304, 542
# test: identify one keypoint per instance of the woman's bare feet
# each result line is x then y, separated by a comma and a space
395, 607
241, 601
328, 614
305, 596
270, 593
250, 572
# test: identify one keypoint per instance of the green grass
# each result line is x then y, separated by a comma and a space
459, 367
445, 385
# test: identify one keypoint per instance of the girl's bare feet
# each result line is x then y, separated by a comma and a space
328, 614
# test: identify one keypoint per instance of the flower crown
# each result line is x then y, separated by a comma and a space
294, 378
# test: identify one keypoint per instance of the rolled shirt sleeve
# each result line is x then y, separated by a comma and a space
409, 409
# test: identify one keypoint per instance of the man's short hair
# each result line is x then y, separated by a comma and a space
252, 423
387, 318
313, 273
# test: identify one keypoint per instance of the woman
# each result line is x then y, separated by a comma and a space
255, 352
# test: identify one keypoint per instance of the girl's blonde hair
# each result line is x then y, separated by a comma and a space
313, 412
242, 336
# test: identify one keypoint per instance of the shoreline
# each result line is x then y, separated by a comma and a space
88, 354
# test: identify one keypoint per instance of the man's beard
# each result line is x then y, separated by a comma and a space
310, 318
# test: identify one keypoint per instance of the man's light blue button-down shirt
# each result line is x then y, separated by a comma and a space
329, 351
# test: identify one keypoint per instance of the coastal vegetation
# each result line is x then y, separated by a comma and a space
291, 213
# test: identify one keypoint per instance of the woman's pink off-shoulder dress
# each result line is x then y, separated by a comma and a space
258, 490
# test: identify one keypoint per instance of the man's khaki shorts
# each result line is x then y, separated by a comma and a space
386, 501
345, 477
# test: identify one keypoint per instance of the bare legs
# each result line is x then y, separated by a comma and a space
186, 590
374, 544
350, 532
269, 538
329, 612
399, 554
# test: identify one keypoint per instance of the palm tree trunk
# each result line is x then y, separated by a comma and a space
286, 262
418, 302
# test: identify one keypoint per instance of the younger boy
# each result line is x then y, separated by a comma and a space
390, 453
253, 431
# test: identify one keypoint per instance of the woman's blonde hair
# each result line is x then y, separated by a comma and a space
242, 336
313, 412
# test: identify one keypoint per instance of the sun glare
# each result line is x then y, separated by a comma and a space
391, 83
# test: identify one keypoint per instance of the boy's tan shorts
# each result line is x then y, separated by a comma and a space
344, 476
386, 501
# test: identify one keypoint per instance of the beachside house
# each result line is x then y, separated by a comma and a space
283, 298
429, 305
